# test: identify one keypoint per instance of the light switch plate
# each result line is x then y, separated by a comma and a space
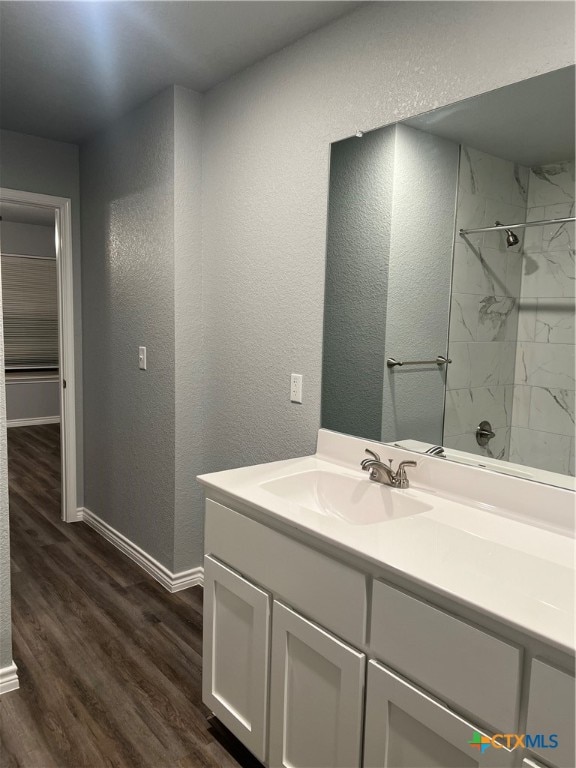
142, 358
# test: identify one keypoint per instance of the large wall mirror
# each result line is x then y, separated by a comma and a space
450, 282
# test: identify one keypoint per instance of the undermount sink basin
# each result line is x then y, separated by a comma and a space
359, 501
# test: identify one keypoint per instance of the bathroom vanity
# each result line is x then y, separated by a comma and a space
348, 623
430, 625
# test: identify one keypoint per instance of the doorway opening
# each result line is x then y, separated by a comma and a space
37, 290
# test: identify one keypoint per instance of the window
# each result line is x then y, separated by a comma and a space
30, 312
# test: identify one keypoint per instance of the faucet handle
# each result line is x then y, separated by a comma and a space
374, 457
401, 477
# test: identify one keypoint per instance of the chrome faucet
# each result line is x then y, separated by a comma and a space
436, 450
383, 473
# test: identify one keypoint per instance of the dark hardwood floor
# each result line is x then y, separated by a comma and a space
109, 661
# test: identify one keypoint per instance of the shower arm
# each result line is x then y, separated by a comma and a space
498, 227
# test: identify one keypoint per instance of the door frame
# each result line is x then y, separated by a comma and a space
66, 364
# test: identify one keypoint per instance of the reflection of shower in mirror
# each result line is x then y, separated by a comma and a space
511, 238
452, 234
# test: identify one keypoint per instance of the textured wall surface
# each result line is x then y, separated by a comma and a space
51, 168
189, 330
266, 169
389, 263
5, 618
127, 177
357, 251
421, 239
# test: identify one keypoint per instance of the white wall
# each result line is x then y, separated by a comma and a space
266, 169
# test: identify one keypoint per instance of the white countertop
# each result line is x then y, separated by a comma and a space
497, 558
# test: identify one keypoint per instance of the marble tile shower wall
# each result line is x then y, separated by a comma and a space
542, 433
486, 285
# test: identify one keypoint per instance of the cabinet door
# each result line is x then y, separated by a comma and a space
235, 648
405, 728
551, 711
316, 696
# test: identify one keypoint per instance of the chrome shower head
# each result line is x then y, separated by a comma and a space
511, 238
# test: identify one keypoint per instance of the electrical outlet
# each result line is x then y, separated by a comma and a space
142, 358
296, 388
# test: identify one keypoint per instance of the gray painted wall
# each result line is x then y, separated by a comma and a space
189, 330
420, 273
389, 266
32, 399
5, 615
141, 225
266, 149
265, 167
29, 239
127, 175
358, 250
51, 167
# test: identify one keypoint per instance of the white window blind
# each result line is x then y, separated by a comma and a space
30, 312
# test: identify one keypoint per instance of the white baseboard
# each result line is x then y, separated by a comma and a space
9, 679
38, 421
173, 582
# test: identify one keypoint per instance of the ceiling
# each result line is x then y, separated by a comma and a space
20, 213
531, 122
69, 68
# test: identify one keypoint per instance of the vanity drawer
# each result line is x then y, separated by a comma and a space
317, 585
551, 711
454, 660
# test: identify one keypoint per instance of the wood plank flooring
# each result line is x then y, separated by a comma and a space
109, 661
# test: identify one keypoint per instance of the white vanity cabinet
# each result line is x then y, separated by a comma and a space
313, 660
438, 652
550, 708
316, 680
406, 728
316, 696
235, 654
